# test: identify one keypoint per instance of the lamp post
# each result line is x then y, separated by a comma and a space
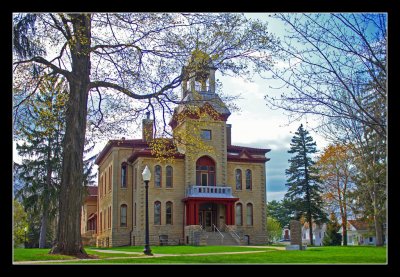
146, 174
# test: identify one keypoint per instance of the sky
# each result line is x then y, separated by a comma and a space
258, 126
255, 125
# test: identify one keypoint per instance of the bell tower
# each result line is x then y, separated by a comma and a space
198, 93
199, 74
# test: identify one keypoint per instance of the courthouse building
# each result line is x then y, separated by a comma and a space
204, 197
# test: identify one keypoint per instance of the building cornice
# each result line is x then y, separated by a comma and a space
125, 143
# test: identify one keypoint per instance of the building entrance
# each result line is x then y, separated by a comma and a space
207, 216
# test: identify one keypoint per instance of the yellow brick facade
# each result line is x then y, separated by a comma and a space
200, 201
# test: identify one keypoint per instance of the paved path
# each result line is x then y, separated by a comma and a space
265, 247
141, 255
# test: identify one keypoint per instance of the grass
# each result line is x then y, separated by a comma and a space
36, 254
183, 249
313, 255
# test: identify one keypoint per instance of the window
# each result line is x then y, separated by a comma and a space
205, 172
169, 174
157, 213
101, 222
123, 175
248, 179
109, 217
105, 220
157, 177
109, 176
168, 213
205, 134
105, 183
123, 215
249, 213
238, 177
101, 185
163, 239
239, 214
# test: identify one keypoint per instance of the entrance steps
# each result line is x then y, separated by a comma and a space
215, 238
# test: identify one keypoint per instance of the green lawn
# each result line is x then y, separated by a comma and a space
313, 255
182, 249
35, 254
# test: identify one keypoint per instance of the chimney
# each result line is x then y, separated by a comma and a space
228, 134
147, 128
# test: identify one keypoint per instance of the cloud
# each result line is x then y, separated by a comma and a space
276, 195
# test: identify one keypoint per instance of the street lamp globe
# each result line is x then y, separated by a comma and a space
146, 174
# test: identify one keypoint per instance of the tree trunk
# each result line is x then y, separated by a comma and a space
311, 231
379, 233
69, 241
344, 230
43, 228
377, 222
343, 214
46, 200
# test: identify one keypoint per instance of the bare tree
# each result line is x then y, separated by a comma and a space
336, 69
129, 63
326, 59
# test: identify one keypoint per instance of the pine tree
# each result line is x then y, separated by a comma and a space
39, 174
303, 181
332, 237
40, 171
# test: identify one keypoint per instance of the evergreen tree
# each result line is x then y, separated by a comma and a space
40, 169
280, 210
332, 237
39, 175
303, 181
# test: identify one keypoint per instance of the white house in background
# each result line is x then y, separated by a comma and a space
358, 233
319, 231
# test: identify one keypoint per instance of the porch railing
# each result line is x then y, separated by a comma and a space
209, 191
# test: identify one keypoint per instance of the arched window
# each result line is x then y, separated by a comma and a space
205, 172
169, 176
248, 179
105, 183
105, 220
157, 177
101, 222
109, 217
157, 213
168, 212
238, 177
239, 213
123, 215
123, 175
101, 186
249, 213
110, 177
